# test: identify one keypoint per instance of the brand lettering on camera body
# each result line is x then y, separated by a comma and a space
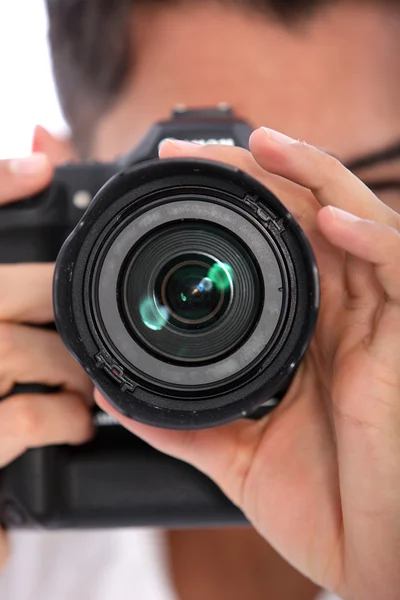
213, 141
208, 141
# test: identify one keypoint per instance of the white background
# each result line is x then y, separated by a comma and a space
27, 94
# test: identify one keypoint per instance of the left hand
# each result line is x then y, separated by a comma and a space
320, 476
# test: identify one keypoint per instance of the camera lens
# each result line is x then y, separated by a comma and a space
190, 292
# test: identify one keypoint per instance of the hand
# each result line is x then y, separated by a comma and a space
320, 476
32, 355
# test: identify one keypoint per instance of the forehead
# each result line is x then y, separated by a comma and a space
341, 83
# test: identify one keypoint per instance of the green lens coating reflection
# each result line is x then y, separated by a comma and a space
153, 316
221, 274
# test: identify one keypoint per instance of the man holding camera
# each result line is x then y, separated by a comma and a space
320, 477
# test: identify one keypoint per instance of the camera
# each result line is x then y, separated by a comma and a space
188, 293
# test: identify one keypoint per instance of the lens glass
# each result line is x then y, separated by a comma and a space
195, 291
190, 292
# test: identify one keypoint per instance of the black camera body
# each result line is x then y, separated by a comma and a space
188, 293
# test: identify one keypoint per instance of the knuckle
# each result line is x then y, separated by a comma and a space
26, 420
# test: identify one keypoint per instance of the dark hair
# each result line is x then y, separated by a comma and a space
90, 40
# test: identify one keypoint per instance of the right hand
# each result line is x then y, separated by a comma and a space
29, 354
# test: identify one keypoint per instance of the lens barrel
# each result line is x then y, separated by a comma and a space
188, 292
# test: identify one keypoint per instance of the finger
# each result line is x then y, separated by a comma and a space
24, 177
369, 241
331, 183
223, 453
26, 293
226, 154
4, 549
41, 420
300, 202
32, 355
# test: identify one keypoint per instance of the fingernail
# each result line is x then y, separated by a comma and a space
278, 137
181, 144
342, 215
29, 165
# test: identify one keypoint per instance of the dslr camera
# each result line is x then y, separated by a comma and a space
187, 292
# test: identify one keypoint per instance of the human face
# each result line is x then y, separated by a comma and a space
332, 81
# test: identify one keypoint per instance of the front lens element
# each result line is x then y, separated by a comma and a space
190, 292
193, 298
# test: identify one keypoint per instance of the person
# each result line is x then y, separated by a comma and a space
325, 463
